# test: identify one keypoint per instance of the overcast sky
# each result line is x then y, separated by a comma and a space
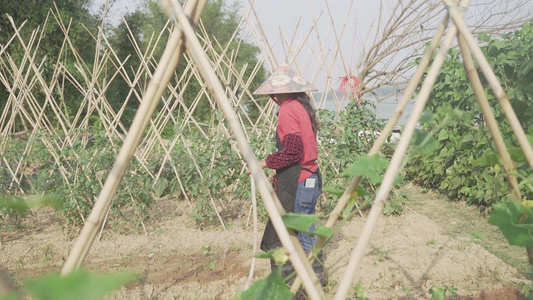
295, 19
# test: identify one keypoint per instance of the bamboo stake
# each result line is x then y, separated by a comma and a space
254, 249
489, 117
195, 50
380, 141
152, 97
493, 82
394, 167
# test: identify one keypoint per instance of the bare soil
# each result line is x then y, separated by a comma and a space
408, 254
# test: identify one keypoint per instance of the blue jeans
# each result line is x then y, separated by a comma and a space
305, 203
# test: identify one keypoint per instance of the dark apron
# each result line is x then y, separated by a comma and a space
285, 184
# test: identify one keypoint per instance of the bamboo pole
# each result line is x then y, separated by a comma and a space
380, 141
254, 248
195, 50
150, 101
464, 39
394, 167
489, 117
493, 82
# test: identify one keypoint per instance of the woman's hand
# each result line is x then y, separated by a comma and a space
262, 163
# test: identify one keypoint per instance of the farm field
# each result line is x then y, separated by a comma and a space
433, 243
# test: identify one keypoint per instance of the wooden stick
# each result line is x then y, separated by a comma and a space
195, 50
254, 248
493, 82
380, 141
473, 77
150, 101
393, 169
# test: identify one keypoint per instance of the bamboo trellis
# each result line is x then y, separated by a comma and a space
23, 76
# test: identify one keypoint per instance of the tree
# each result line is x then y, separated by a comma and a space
149, 28
401, 34
44, 17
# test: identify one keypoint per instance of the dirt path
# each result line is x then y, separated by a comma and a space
407, 256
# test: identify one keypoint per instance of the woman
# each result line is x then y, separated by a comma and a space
297, 181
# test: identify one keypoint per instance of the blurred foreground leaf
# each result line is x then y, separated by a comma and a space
515, 221
80, 285
273, 287
370, 166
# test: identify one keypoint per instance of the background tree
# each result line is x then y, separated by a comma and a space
31, 15
148, 23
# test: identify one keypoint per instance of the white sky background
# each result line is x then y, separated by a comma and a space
294, 18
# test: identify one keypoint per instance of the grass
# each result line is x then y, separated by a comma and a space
462, 221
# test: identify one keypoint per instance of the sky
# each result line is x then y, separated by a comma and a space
352, 20
294, 19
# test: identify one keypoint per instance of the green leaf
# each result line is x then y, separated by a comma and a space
273, 288
506, 216
322, 230
299, 222
333, 190
160, 187
443, 134
262, 254
370, 166
426, 117
517, 155
488, 159
80, 285
423, 142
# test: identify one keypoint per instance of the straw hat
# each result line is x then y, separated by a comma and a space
285, 81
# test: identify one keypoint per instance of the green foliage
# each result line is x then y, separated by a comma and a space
439, 292
220, 21
345, 140
75, 175
515, 221
16, 208
394, 206
462, 161
369, 166
271, 287
302, 223
29, 16
359, 292
79, 285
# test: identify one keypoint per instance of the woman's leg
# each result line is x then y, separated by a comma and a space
306, 197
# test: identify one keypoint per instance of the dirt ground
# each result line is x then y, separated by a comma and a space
408, 255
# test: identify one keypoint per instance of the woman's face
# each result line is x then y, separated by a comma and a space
281, 97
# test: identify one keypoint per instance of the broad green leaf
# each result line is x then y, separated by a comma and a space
80, 285
443, 134
488, 159
423, 142
370, 166
262, 254
517, 155
160, 187
273, 288
426, 117
333, 190
322, 230
299, 222
506, 216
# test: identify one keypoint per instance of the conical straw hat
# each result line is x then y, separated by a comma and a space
285, 81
